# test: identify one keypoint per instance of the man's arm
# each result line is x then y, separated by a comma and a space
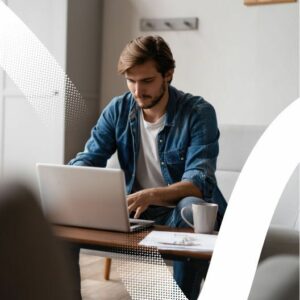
163, 196
101, 144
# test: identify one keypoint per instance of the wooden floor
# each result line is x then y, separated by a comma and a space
94, 287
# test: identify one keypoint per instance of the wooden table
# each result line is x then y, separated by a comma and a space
126, 243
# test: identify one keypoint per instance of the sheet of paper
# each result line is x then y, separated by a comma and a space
180, 241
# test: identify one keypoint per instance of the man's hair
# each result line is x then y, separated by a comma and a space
143, 49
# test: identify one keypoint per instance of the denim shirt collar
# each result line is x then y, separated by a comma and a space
173, 98
133, 110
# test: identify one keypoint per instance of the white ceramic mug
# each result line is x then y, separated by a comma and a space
204, 216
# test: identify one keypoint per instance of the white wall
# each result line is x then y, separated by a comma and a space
298, 221
25, 139
244, 60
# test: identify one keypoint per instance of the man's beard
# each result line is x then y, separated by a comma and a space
154, 101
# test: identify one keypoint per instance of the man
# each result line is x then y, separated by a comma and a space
167, 145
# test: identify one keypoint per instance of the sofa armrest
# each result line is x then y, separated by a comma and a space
276, 278
280, 240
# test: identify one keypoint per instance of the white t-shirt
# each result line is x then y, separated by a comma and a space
148, 166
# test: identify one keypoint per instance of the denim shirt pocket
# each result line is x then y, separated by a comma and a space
175, 160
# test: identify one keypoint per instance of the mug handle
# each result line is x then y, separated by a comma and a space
183, 217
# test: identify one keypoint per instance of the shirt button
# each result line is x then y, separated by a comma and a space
181, 158
162, 163
160, 140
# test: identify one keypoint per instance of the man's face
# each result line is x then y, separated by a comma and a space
146, 84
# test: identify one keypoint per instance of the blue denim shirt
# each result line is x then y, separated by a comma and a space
187, 145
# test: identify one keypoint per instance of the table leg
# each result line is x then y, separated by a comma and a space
107, 265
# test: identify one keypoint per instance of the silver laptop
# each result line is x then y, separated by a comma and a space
86, 197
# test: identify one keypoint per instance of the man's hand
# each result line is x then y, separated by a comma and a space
162, 196
139, 201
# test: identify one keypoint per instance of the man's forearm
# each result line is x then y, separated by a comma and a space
171, 194
164, 196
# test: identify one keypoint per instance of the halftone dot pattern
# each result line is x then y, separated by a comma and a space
36, 72
144, 272
57, 102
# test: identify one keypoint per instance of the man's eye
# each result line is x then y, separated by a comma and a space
129, 80
148, 80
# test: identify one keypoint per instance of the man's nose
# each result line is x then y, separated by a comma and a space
138, 90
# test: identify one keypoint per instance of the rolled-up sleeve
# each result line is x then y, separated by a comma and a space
201, 155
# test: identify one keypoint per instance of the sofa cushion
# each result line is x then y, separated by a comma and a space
226, 182
236, 142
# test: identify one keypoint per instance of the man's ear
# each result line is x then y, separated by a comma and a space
169, 75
